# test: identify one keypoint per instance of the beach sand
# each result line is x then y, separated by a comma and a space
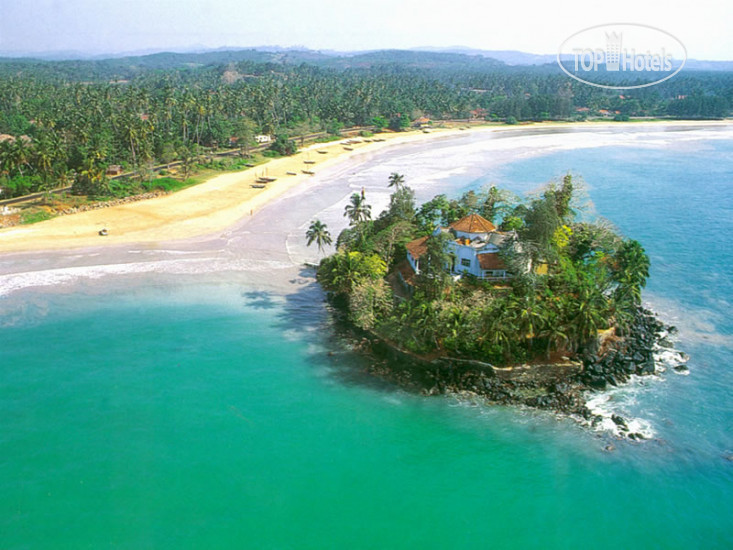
224, 200
203, 209
227, 232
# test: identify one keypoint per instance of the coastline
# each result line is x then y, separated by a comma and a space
223, 201
265, 253
569, 388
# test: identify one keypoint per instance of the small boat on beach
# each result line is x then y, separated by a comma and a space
348, 148
258, 185
322, 152
309, 172
291, 173
309, 162
264, 179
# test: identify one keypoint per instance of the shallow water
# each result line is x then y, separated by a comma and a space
201, 405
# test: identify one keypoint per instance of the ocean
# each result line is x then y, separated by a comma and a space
181, 407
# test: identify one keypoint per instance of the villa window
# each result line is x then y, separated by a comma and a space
465, 262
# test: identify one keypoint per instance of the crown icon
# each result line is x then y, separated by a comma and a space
613, 50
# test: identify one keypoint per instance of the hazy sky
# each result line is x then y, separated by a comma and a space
536, 26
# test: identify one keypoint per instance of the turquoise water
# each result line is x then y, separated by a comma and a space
204, 415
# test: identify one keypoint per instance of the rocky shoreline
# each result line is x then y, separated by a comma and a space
563, 388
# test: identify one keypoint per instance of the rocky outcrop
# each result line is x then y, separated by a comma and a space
632, 353
560, 387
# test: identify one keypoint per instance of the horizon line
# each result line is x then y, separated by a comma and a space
79, 55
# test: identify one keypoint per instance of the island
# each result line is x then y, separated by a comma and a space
516, 301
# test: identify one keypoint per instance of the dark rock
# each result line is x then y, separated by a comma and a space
619, 421
647, 367
594, 368
597, 383
665, 343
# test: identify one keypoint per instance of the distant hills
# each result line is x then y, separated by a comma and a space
420, 58
514, 57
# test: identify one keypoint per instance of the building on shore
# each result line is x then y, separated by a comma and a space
473, 248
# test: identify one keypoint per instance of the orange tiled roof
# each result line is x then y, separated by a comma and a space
491, 261
418, 247
473, 224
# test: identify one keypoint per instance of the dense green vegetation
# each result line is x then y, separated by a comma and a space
585, 277
79, 117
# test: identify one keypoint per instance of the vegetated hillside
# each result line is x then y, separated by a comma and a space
66, 121
453, 62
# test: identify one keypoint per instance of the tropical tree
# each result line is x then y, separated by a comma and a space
396, 180
318, 233
402, 205
631, 271
434, 278
528, 315
369, 301
387, 241
342, 271
495, 202
541, 222
357, 210
588, 311
187, 156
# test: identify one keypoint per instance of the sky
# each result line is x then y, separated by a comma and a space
533, 26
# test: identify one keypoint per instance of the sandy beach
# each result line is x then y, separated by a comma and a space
225, 230
199, 210
222, 201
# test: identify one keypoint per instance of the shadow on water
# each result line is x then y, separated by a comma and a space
259, 299
307, 313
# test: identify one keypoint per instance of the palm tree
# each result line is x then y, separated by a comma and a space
528, 315
20, 154
588, 311
317, 232
396, 180
633, 270
357, 210
496, 201
555, 334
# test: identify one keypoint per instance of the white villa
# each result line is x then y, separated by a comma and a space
473, 248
